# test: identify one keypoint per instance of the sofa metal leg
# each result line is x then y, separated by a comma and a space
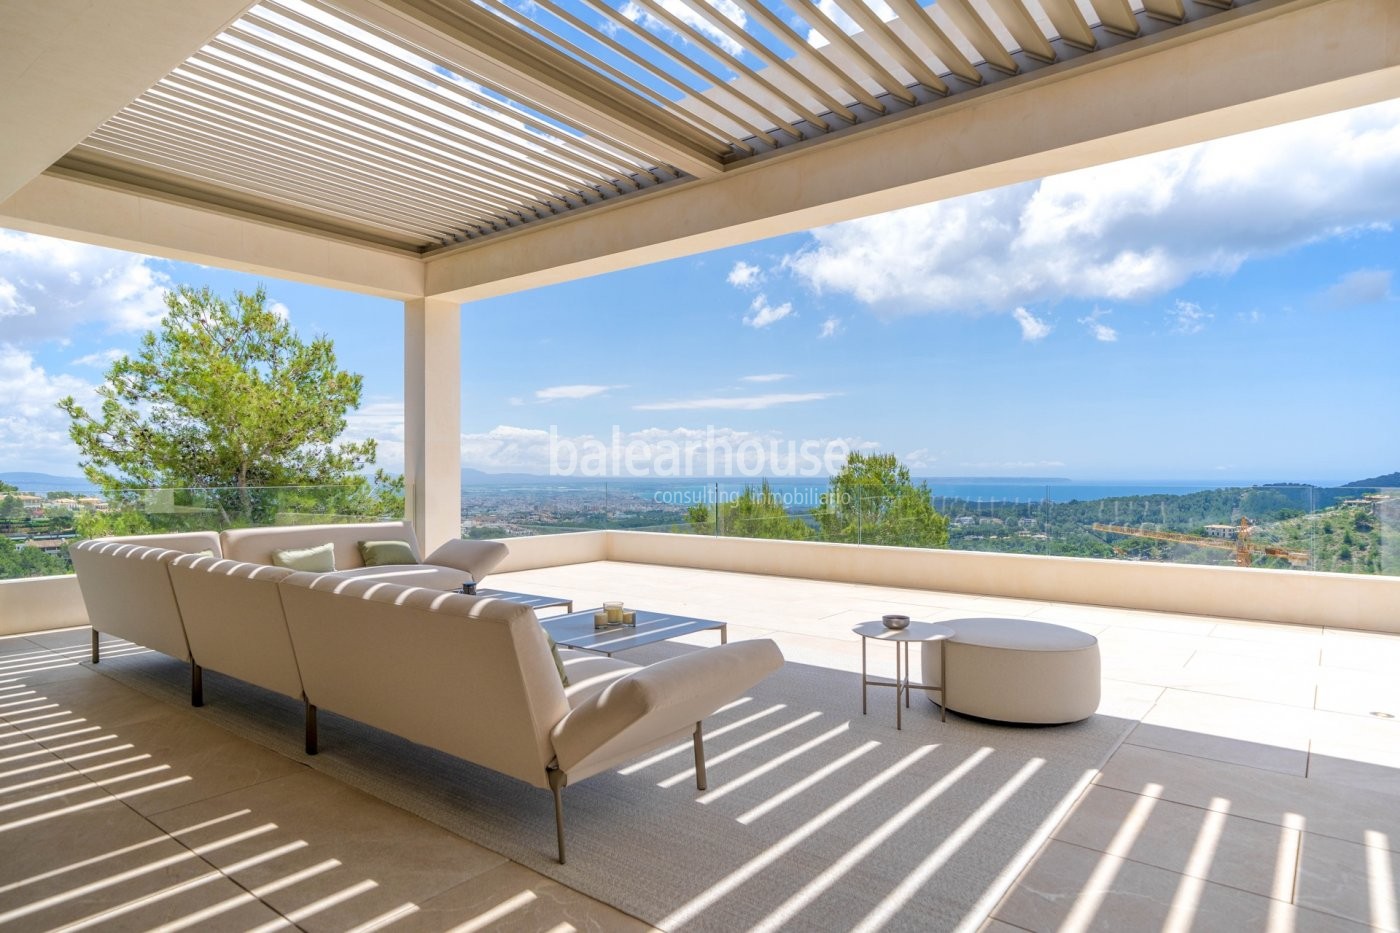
95, 654
557, 780
699, 758
196, 685
310, 728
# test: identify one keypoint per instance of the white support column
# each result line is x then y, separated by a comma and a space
432, 414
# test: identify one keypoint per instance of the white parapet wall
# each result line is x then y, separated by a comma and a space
37, 604
1353, 601
576, 547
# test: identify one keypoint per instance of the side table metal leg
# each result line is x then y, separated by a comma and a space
724, 634
899, 681
864, 678
907, 678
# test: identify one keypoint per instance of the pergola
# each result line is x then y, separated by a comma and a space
441, 151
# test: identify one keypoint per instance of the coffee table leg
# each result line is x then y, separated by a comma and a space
724, 634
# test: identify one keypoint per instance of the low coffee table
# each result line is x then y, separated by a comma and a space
528, 599
576, 630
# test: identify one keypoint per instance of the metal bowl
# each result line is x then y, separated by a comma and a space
895, 622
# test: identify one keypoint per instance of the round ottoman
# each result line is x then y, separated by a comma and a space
1016, 670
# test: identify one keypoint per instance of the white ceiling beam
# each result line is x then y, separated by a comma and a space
66, 66
482, 44
1261, 67
111, 214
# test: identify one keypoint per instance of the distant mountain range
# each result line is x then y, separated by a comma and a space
47, 482
1389, 480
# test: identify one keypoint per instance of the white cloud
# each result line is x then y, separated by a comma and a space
654, 451
830, 328
744, 275
691, 18
736, 403
1032, 327
279, 309
920, 459
507, 448
381, 419
765, 314
1188, 318
554, 393
766, 377
1101, 331
52, 289
33, 432
1359, 288
101, 359
1128, 230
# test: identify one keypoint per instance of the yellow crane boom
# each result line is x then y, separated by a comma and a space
1244, 548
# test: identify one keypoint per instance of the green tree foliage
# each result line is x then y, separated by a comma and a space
18, 560
227, 396
873, 500
754, 513
11, 509
6, 487
760, 513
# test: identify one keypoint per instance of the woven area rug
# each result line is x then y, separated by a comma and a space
816, 817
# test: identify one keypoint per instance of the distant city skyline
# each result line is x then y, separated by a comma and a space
1225, 310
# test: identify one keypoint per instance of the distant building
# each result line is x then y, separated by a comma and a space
965, 520
1222, 531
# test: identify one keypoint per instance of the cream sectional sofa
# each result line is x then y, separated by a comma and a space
471, 676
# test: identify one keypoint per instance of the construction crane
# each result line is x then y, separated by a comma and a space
1244, 548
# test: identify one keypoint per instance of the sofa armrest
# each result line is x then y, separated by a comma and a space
650, 706
477, 558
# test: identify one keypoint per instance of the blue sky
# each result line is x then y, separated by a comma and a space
1224, 311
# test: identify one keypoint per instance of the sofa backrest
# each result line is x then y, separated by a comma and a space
256, 545
471, 676
186, 542
128, 593
234, 622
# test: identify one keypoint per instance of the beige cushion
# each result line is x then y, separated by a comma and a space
127, 591
317, 559
477, 558
467, 675
1017, 670
255, 545
655, 705
186, 542
385, 553
425, 575
589, 672
234, 622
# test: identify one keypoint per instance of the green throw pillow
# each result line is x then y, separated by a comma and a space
558, 661
383, 553
318, 559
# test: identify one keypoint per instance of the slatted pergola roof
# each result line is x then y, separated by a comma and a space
420, 124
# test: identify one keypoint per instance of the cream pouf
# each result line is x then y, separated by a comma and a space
1016, 670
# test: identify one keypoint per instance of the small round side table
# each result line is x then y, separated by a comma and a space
916, 632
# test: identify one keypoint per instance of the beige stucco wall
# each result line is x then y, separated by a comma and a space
40, 603
1332, 599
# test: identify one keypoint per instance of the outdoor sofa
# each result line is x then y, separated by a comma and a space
472, 676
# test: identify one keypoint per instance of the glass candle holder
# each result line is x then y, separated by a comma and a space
613, 610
